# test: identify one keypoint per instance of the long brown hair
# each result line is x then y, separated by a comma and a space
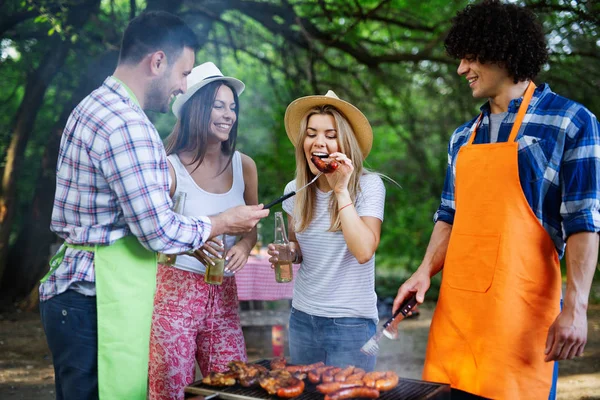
193, 126
305, 200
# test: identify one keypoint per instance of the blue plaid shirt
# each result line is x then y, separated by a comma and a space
112, 180
559, 163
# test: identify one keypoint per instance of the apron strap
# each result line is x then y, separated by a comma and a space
57, 259
520, 115
522, 111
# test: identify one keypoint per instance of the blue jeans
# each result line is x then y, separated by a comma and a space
69, 321
335, 341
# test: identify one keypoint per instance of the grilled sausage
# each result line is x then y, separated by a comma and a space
350, 393
329, 374
388, 382
357, 375
323, 166
343, 374
303, 368
330, 387
371, 378
314, 376
294, 388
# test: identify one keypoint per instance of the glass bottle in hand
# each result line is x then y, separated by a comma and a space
178, 206
215, 271
283, 268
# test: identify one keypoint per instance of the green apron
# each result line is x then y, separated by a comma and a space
125, 286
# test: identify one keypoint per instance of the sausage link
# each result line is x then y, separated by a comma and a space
331, 387
357, 375
303, 368
329, 374
350, 393
293, 389
314, 376
388, 382
371, 378
343, 374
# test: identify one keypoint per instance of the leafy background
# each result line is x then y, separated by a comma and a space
384, 56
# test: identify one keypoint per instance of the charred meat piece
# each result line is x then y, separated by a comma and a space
324, 166
220, 378
247, 374
282, 383
278, 363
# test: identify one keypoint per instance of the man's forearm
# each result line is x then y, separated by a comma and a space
436, 249
581, 258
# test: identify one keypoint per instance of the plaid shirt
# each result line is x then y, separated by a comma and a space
559, 163
112, 180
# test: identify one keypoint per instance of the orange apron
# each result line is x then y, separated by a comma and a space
501, 284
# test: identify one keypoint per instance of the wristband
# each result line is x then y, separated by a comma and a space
341, 208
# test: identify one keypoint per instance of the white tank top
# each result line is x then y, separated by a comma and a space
201, 202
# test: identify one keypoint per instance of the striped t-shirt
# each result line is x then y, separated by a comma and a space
331, 283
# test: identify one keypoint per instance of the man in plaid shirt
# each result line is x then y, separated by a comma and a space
522, 186
113, 209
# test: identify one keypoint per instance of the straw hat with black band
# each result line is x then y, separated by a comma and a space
360, 124
201, 76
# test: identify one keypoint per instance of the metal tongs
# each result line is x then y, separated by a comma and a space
292, 193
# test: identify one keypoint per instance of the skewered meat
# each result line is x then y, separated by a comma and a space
324, 166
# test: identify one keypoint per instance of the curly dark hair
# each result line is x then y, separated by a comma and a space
505, 34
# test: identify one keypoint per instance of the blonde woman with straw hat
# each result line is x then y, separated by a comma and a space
334, 228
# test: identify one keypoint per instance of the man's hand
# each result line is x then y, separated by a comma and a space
567, 336
419, 282
236, 220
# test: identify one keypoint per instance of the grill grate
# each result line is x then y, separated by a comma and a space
407, 389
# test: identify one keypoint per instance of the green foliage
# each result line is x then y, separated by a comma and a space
386, 57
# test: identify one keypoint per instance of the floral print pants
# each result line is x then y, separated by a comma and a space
192, 321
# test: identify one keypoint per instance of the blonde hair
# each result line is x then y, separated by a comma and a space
347, 143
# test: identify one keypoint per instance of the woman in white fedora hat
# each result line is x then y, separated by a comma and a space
334, 229
193, 320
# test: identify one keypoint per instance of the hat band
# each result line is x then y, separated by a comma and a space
213, 76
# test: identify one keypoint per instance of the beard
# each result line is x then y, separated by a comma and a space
157, 96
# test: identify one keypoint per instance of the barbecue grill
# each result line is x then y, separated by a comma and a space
407, 389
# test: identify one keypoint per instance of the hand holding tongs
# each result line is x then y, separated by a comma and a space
292, 193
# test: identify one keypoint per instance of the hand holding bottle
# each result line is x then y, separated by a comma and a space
280, 252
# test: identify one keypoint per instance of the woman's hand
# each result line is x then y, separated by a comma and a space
338, 179
237, 257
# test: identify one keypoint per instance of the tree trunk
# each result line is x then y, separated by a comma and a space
23, 124
32, 247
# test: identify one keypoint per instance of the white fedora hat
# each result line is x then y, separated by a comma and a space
360, 124
201, 76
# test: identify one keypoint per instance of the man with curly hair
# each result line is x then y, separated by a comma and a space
522, 186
